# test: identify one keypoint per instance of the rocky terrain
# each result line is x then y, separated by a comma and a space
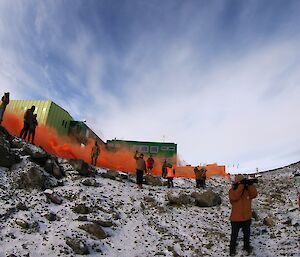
57, 207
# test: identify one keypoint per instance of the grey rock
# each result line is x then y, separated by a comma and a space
111, 174
52, 167
21, 206
33, 177
180, 199
152, 180
53, 197
7, 157
82, 168
82, 218
81, 209
123, 175
206, 199
51, 216
78, 246
89, 182
23, 224
17, 143
94, 229
103, 223
268, 221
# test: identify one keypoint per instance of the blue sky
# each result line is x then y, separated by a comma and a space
219, 78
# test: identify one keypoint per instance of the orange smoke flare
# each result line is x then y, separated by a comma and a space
66, 147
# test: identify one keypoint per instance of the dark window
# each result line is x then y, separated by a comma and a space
63, 122
168, 148
141, 148
66, 124
153, 149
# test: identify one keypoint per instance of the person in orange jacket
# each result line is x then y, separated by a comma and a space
240, 196
170, 175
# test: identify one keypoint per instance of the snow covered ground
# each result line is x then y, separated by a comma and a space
143, 223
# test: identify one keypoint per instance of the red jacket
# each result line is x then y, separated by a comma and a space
150, 163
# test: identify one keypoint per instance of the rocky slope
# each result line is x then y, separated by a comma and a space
57, 207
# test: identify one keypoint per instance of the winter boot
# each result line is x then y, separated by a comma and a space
248, 249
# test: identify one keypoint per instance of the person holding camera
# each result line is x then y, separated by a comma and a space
240, 195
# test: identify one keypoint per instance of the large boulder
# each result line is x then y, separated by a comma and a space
77, 246
206, 199
52, 167
32, 176
178, 199
81, 209
37, 154
81, 167
17, 143
53, 197
153, 181
5, 134
103, 223
94, 229
111, 174
7, 157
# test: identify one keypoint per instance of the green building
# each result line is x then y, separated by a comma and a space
48, 113
82, 133
161, 150
52, 115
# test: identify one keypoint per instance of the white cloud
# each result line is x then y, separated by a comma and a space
231, 106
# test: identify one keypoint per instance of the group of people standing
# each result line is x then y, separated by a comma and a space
168, 170
30, 119
29, 125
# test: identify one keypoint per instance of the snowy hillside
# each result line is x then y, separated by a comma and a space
56, 207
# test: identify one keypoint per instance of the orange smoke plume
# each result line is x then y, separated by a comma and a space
66, 147
122, 160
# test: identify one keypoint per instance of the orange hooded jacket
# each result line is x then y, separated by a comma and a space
170, 172
240, 200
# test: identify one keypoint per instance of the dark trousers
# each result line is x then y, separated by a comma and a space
235, 228
94, 160
170, 182
32, 135
200, 183
24, 130
139, 176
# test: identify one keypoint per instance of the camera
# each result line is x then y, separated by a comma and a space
248, 182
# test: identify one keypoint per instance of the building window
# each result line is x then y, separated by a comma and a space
66, 124
63, 122
141, 148
167, 148
153, 149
